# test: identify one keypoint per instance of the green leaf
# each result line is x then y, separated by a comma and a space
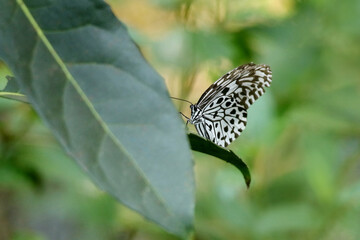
203, 145
107, 107
14, 96
12, 91
11, 85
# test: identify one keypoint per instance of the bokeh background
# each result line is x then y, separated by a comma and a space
302, 142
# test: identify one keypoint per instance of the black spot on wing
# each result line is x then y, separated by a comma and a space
225, 90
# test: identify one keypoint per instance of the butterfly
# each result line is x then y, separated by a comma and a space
220, 115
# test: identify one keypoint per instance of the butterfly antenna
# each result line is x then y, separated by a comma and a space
184, 115
182, 100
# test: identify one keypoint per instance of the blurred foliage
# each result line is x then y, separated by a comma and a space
302, 143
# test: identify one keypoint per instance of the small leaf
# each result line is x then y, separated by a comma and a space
11, 85
203, 145
14, 96
12, 91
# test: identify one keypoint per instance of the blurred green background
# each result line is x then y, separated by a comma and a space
302, 142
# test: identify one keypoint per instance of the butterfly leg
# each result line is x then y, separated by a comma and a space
187, 119
184, 116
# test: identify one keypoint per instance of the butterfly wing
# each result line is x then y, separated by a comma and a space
224, 122
224, 104
247, 82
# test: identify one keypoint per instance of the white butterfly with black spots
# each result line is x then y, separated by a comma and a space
220, 115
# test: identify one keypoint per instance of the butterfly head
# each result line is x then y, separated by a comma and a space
195, 114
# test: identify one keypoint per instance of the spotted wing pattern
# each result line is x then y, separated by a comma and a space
248, 81
223, 106
223, 123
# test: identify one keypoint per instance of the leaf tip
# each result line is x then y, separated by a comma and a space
248, 181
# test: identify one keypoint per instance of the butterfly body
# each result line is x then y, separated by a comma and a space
220, 115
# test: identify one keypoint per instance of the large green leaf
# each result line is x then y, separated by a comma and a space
108, 108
